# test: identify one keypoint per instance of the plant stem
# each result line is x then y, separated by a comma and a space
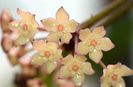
112, 11
75, 43
118, 12
102, 65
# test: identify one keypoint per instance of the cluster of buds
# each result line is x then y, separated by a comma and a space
72, 68
8, 39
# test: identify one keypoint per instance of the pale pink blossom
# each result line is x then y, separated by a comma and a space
48, 54
75, 67
60, 29
93, 43
112, 75
26, 26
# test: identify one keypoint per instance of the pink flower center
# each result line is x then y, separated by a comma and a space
114, 77
75, 68
25, 27
93, 43
47, 54
60, 27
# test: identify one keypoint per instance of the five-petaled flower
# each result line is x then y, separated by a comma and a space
75, 67
48, 54
26, 27
60, 28
112, 75
93, 42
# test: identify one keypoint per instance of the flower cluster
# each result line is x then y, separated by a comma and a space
14, 53
75, 65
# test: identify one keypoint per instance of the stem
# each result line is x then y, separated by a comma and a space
75, 43
112, 11
118, 12
102, 65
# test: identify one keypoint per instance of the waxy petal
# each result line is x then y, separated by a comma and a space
61, 15
24, 15
82, 49
84, 34
51, 66
78, 79
66, 59
38, 60
21, 40
105, 83
64, 73
53, 36
80, 58
122, 70
27, 17
59, 52
96, 56
106, 44
66, 37
39, 45
52, 45
120, 83
56, 55
71, 26
87, 68
15, 25
49, 24
99, 31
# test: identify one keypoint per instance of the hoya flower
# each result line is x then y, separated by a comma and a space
48, 54
112, 75
75, 68
60, 28
26, 27
94, 42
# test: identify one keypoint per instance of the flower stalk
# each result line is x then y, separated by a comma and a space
109, 14
75, 43
102, 65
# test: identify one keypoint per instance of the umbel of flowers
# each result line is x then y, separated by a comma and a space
74, 66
